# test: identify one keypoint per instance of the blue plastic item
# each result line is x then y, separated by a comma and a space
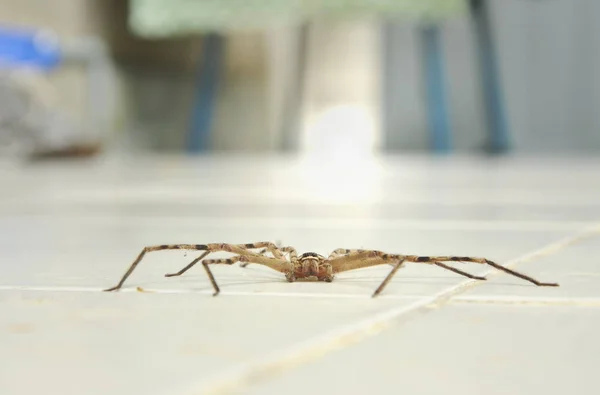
30, 48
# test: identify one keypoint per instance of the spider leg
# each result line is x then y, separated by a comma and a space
388, 278
290, 251
274, 249
211, 277
484, 261
261, 252
280, 265
344, 251
189, 266
208, 248
268, 247
399, 265
455, 270
358, 259
198, 247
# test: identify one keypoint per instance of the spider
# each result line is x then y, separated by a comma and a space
310, 265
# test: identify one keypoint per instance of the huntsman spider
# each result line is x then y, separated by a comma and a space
310, 265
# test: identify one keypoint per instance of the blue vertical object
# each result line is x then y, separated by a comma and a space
435, 84
499, 139
206, 93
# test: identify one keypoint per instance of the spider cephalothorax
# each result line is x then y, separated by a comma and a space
310, 265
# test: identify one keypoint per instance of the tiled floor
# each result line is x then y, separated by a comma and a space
71, 229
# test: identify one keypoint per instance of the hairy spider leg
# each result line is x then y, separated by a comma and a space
208, 248
268, 247
484, 261
346, 259
280, 265
290, 251
455, 270
342, 251
358, 259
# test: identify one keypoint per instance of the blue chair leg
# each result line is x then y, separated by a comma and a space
499, 138
206, 93
435, 87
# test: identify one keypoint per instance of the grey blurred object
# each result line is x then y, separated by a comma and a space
31, 121
14, 103
24, 117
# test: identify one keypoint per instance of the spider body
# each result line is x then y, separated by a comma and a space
310, 265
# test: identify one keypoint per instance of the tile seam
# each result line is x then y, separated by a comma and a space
258, 370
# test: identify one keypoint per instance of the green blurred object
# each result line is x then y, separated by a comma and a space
162, 18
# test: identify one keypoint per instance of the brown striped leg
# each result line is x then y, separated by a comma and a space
213, 247
280, 265
400, 264
343, 251
484, 261
388, 278
189, 266
211, 277
342, 260
455, 270
198, 247
358, 259
261, 252
269, 247
291, 251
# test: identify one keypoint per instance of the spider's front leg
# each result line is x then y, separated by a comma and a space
290, 251
274, 249
207, 248
268, 246
196, 247
281, 265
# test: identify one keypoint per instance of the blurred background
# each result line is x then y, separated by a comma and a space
430, 127
85, 77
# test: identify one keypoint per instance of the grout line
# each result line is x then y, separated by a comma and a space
47, 288
303, 352
366, 295
528, 300
278, 362
276, 196
493, 299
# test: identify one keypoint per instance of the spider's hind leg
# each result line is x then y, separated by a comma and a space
484, 261
189, 266
455, 270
